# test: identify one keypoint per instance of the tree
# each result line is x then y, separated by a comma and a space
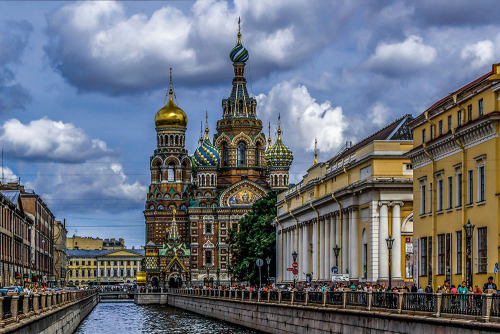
256, 239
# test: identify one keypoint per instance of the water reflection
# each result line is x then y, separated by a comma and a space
124, 318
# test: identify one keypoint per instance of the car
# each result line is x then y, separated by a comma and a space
6, 289
282, 286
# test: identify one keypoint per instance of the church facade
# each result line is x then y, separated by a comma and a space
194, 200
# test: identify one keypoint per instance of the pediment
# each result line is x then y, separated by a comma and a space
121, 253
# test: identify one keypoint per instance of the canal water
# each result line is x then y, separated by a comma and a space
125, 318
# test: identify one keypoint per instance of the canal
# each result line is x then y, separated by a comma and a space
124, 318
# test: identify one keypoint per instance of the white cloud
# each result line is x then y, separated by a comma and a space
379, 114
303, 118
7, 175
45, 139
409, 55
479, 54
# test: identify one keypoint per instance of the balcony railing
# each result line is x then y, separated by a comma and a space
467, 306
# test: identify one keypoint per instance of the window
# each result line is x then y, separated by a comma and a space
423, 256
440, 127
423, 136
225, 154
257, 155
459, 252
440, 195
449, 123
423, 195
469, 113
241, 153
459, 117
430, 197
208, 257
450, 192
171, 173
459, 189
480, 183
432, 132
208, 228
365, 172
470, 180
482, 253
440, 254
480, 104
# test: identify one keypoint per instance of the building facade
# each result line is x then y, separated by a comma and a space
60, 261
103, 267
206, 194
89, 243
353, 202
456, 180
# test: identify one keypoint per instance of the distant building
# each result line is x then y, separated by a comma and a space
60, 263
89, 243
103, 267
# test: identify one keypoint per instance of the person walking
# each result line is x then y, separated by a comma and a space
462, 292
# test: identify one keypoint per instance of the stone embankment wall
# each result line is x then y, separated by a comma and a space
286, 318
56, 318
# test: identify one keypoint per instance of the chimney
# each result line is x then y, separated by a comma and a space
122, 242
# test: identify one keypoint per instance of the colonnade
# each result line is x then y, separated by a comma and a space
314, 241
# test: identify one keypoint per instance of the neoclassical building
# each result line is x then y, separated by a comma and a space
354, 202
194, 200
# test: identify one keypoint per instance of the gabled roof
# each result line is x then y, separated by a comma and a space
11, 195
397, 130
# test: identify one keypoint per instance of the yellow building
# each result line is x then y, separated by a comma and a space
354, 201
103, 267
94, 243
456, 179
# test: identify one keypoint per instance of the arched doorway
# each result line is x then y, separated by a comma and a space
208, 282
175, 281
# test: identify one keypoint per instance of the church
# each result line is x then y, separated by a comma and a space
194, 200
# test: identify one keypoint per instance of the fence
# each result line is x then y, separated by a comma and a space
468, 306
16, 307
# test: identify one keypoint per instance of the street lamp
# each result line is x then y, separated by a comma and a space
336, 250
247, 264
218, 274
268, 261
294, 257
469, 231
390, 241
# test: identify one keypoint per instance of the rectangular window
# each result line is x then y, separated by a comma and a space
450, 192
432, 132
423, 196
208, 228
430, 197
440, 254
423, 136
482, 253
470, 180
480, 105
208, 257
480, 183
458, 268
440, 196
440, 127
459, 190
459, 117
469, 113
365, 172
423, 256
449, 123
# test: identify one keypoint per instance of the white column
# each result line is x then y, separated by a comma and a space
285, 253
301, 254
345, 242
321, 273
98, 268
305, 248
105, 268
332, 240
315, 250
353, 244
373, 243
383, 255
125, 268
118, 269
396, 235
327, 248
278, 255
112, 268
338, 239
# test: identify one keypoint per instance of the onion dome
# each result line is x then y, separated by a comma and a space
171, 114
238, 54
279, 155
206, 154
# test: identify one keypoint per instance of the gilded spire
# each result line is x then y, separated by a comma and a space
206, 124
269, 139
171, 85
239, 30
279, 126
173, 232
315, 151
201, 132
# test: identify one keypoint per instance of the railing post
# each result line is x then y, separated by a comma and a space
487, 304
44, 296
369, 301
36, 303
250, 295
242, 294
26, 301
13, 307
279, 297
1, 311
324, 297
344, 298
258, 296
307, 298
292, 297
438, 300
400, 302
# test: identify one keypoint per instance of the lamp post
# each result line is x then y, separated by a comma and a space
336, 250
469, 231
247, 264
390, 241
208, 277
268, 261
294, 257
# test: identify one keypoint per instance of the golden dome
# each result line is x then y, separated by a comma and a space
171, 115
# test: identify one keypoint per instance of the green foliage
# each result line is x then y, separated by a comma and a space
256, 239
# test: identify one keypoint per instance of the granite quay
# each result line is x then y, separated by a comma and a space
46, 312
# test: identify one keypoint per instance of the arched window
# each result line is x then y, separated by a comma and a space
158, 166
213, 180
171, 172
171, 140
203, 180
225, 154
241, 153
257, 155
240, 105
275, 180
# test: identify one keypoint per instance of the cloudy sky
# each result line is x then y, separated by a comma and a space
80, 83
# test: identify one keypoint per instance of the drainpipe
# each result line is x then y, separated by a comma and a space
340, 227
282, 264
434, 203
296, 231
317, 235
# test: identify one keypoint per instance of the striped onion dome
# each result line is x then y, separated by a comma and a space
206, 154
238, 54
279, 155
